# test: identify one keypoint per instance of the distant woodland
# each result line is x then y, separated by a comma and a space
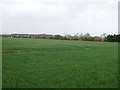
81, 37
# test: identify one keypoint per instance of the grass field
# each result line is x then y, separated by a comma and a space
0, 62
42, 63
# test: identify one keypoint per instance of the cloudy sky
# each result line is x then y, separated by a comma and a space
59, 16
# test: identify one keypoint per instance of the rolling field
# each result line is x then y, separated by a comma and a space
42, 63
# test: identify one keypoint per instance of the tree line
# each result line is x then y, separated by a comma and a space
113, 38
82, 37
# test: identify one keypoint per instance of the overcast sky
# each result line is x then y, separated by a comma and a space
59, 16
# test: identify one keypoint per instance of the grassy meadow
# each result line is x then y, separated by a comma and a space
0, 62
44, 63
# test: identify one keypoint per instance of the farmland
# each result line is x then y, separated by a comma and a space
45, 63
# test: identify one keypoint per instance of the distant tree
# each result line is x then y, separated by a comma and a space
43, 36
76, 36
57, 36
113, 38
87, 35
104, 35
97, 38
69, 37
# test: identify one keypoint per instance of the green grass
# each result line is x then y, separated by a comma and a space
0, 62
42, 63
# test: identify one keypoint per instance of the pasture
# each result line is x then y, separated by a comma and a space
44, 63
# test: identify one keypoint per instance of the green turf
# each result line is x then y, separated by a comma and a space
42, 63
0, 62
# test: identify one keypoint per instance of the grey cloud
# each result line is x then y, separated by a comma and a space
95, 18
